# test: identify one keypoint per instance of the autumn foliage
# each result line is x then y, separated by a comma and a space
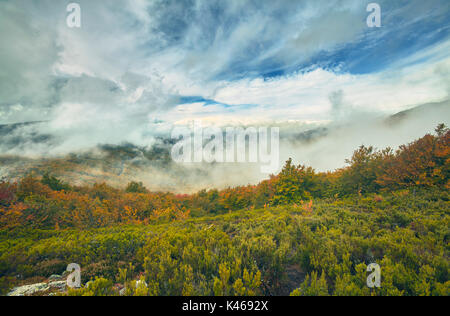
49, 203
299, 232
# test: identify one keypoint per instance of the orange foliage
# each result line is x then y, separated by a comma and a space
423, 163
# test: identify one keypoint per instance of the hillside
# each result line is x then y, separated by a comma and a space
300, 233
270, 251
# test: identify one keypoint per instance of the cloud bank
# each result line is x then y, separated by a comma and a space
135, 68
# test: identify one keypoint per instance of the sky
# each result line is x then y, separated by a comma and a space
137, 67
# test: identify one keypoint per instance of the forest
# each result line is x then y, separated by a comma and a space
299, 233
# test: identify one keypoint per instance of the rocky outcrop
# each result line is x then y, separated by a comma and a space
55, 277
51, 287
59, 285
28, 290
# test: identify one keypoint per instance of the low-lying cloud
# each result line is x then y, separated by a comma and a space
137, 68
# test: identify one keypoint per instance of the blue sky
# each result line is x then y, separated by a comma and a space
135, 62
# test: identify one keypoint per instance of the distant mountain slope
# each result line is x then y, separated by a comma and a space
438, 108
119, 164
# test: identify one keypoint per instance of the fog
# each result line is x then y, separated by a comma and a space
324, 146
98, 103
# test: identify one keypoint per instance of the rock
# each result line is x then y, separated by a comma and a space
141, 282
60, 285
54, 277
27, 290
65, 275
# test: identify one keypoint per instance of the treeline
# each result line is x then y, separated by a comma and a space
300, 232
47, 202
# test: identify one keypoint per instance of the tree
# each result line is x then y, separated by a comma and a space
441, 130
294, 184
422, 163
54, 183
136, 187
30, 186
364, 167
7, 194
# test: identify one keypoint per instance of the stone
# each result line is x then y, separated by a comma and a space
27, 290
139, 282
55, 277
61, 285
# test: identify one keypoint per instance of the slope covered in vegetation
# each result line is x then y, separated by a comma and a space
300, 232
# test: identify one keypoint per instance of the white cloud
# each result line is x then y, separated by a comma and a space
307, 95
109, 80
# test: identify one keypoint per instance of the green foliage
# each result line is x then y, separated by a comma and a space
5, 284
271, 251
54, 183
299, 233
136, 187
361, 176
99, 287
294, 184
313, 286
